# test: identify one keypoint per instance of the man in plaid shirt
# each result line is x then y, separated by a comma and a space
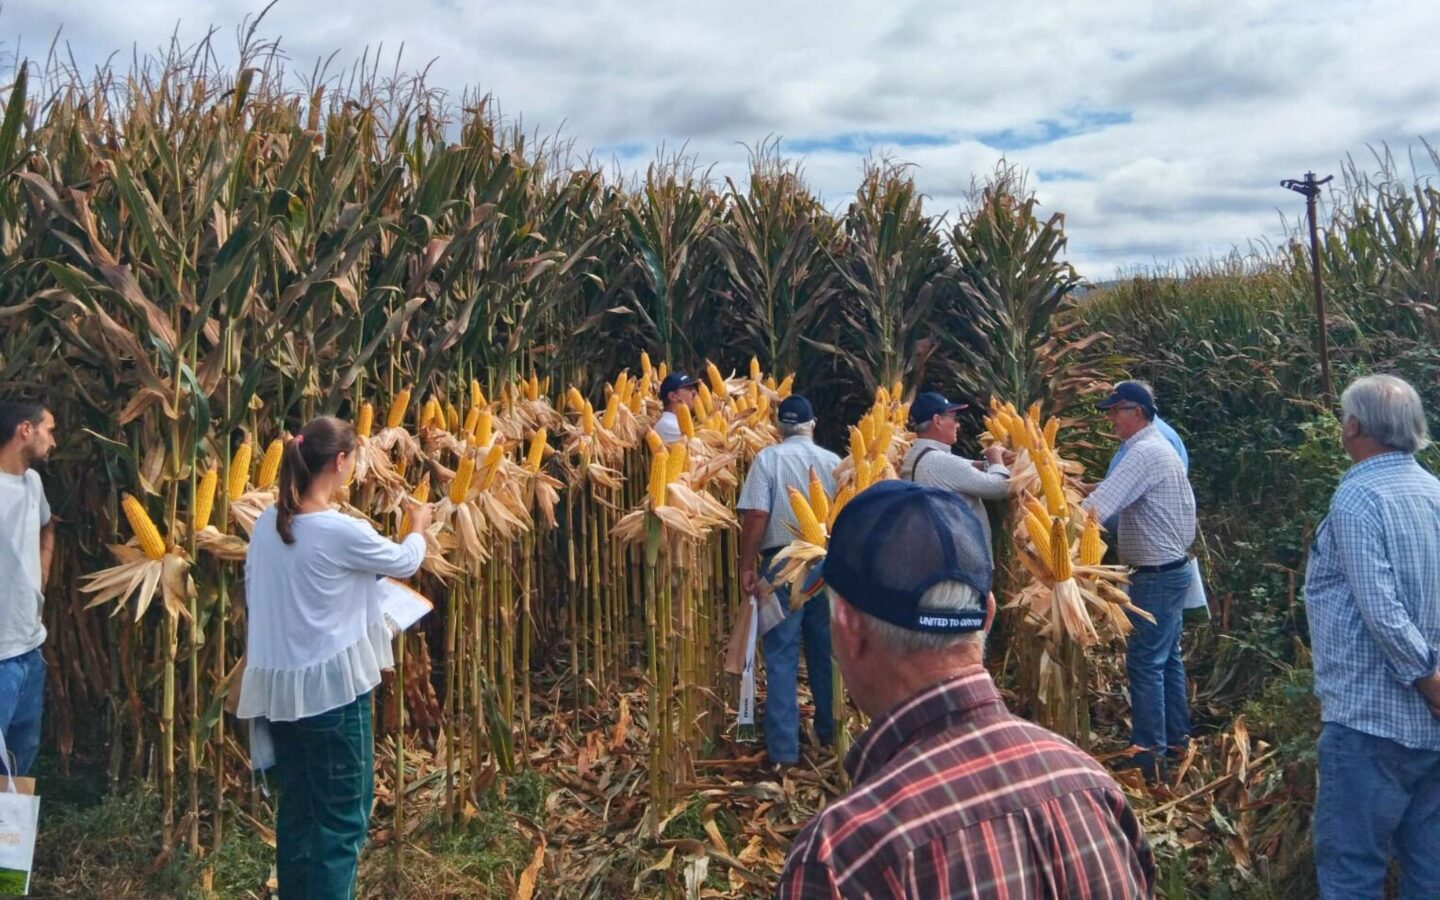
1372, 595
953, 796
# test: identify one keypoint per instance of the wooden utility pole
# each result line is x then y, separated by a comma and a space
1311, 189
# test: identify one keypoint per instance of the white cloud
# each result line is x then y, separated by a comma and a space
1161, 130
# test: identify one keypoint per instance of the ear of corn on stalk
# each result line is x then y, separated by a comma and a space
205, 498
653, 441
819, 501
477, 396
1039, 532
452, 416
687, 421
464, 473
1092, 548
537, 451
146, 534
676, 458
1059, 550
492, 465
842, 497
421, 494
365, 421
239, 471
396, 414
659, 475
270, 465
807, 524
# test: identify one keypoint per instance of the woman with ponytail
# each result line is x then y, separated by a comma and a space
314, 651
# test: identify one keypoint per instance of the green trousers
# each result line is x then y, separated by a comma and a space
325, 768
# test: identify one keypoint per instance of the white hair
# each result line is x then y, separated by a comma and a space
1388, 410
946, 596
807, 429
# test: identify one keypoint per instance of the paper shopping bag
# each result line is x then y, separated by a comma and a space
19, 820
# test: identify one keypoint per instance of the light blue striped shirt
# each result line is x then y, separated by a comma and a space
786, 464
1372, 595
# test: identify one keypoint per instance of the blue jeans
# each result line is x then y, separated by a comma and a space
1159, 709
1376, 798
22, 701
326, 767
781, 720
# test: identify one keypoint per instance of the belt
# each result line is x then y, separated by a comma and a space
1167, 567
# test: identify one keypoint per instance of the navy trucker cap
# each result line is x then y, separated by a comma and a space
898, 539
795, 410
674, 382
1129, 392
930, 404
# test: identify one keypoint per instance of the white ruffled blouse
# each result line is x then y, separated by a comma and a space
316, 639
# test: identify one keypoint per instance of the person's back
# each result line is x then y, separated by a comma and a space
1387, 508
980, 804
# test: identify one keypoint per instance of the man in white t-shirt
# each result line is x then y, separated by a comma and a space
675, 391
27, 539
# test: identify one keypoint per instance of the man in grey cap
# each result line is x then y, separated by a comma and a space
764, 531
930, 462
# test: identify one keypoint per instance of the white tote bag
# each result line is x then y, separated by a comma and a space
19, 820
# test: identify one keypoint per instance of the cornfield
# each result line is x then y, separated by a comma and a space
197, 261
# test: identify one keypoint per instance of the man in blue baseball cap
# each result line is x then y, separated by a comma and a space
1149, 491
929, 460
768, 524
676, 390
953, 796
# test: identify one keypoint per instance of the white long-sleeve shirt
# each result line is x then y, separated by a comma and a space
316, 638
942, 469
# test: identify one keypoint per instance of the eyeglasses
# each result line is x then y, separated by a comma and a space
1121, 406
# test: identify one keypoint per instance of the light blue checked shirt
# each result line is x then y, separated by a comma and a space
1372, 595
782, 465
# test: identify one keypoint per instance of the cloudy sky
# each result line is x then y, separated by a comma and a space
1161, 130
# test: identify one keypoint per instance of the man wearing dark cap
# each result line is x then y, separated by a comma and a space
953, 796
1150, 493
930, 462
767, 527
678, 389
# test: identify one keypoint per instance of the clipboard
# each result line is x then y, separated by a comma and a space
401, 605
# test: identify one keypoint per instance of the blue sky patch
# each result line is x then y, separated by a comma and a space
1045, 131
864, 141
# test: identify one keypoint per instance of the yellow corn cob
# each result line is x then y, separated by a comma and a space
472, 419
587, 419
687, 422
492, 465
996, 430
661, 371
659, 472
754, 369
704, 401
477, 396
636, 402
396, 414
717, 382
1036, 508
204, 498
1092, 548
819, 501
239, 471
716, 422
862, 474
901, 415
896, 389
622, 384
365, 422
402, 465
532, 387
857, 444
842, 497
464, 474
652, 440
537, 451
543, 387
676, 459
770, 382
1059, 550
785, 387
1052, 428
434, 414
752, 395
1033, 413
484, 428
1040, 537
646, 370
762, 409
421, 494
146, 534
883, 435
612, 410
1051, 484
270, 465
882, 397
807, 525
573, 397
452, 417
1019, 434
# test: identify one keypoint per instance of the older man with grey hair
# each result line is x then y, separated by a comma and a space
767, 526
953, 796
1372, 596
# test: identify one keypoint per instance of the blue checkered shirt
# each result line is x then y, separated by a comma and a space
782, 465
1372, 595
